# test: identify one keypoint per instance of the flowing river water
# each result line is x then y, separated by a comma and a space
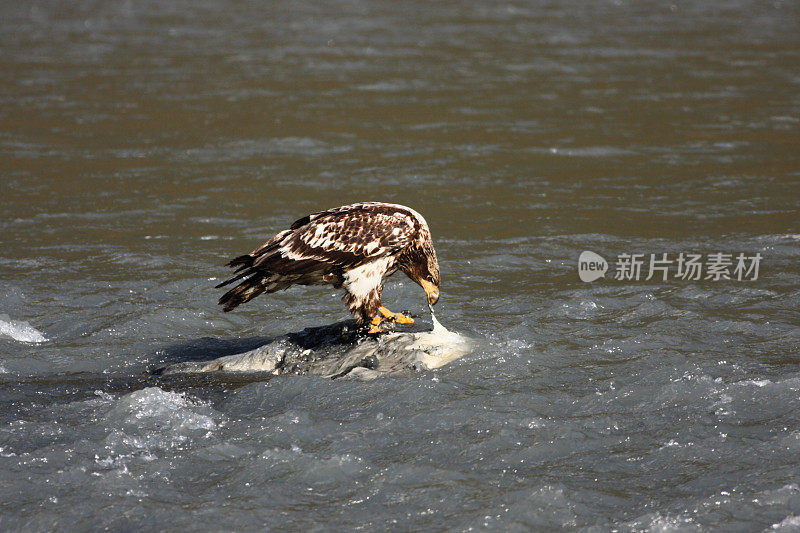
143, 144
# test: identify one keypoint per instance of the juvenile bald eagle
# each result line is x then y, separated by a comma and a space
354, 246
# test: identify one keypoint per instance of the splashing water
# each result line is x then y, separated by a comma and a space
19, 330
438, 328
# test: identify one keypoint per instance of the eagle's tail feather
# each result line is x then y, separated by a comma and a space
237, 277
273, 272
244, 262
243, 292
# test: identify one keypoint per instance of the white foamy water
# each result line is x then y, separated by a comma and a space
19, 330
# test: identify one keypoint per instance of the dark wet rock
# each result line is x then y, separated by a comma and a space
340, 350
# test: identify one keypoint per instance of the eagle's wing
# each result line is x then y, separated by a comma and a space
346, 237
330, 241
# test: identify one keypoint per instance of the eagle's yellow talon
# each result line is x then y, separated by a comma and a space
375, 324
397, 317
385, 315
403, 319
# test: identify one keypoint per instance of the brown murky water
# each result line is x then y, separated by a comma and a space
142, 144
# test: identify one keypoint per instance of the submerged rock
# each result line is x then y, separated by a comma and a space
339, 350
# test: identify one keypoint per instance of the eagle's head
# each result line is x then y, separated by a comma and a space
419, 263
427, 272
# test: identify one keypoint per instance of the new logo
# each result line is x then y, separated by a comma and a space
591, 266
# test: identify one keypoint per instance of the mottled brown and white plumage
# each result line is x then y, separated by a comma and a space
354, 246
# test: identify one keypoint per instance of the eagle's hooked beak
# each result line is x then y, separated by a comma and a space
431, 290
